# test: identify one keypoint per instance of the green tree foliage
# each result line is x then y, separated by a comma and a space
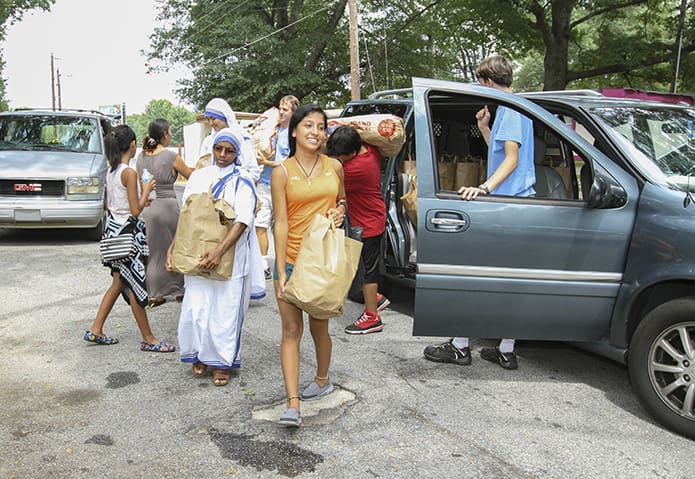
10, 12
177, 116
596, 43
252, 52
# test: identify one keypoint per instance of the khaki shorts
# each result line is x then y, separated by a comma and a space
264, 215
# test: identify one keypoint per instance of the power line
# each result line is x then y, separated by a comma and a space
207, 27
266, 36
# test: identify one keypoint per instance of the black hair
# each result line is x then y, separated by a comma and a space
155, 133
298, 115
117, 142
344, 141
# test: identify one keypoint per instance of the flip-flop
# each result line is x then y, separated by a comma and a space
161, 347
103, 340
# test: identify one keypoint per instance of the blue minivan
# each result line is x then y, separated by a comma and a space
603, 255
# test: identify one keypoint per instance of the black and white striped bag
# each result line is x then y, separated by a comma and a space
117, 247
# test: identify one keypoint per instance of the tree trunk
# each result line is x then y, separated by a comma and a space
556, 38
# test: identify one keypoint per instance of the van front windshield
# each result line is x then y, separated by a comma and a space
49, 132
660, 140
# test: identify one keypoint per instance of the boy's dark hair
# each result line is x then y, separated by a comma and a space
496, 68
344, 141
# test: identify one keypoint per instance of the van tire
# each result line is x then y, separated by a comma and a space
96, 233
658, 358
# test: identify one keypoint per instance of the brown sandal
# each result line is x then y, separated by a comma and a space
220, 377
199, 369
154, 302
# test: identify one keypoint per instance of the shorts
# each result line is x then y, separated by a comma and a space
372, 258
288, 270
264, 215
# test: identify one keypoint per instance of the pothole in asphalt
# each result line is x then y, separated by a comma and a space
320, 411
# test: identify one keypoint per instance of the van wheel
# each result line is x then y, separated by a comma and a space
661, 362
96, 233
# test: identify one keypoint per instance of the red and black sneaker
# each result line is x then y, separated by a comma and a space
367, 323
381, 302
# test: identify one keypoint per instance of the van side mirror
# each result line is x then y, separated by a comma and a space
606, 194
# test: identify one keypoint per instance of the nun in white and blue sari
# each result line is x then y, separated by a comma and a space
213, 311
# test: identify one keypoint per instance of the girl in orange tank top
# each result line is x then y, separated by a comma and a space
307, 183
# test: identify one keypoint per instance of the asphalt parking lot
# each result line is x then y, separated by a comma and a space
75, 410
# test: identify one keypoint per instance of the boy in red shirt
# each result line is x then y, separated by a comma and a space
366, 207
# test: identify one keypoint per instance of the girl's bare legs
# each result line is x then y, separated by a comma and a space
292, 330
324, 348
141, 318
106, 304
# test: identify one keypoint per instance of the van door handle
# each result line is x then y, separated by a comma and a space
448, 222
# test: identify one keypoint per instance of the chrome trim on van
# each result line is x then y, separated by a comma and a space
519, 273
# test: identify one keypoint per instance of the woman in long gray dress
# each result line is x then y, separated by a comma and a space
162, 213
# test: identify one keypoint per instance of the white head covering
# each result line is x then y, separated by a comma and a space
218, 108
232, 136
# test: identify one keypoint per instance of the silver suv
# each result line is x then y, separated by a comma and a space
52, 169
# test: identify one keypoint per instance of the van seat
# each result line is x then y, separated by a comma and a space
549, 183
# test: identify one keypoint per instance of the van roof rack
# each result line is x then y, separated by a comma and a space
584, 92
398, 93
62, 110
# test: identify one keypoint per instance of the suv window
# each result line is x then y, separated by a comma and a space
45, 132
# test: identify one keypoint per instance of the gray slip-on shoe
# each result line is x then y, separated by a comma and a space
314, 391
291, 418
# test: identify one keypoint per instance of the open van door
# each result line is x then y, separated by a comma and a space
510, 267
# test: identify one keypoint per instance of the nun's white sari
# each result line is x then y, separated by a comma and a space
212, 312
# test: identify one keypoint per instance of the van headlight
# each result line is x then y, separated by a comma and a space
83, 185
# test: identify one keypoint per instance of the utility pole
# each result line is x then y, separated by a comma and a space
60, 102
678, 46
53, 85
354, 52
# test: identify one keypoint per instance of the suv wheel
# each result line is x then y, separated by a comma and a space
661, 362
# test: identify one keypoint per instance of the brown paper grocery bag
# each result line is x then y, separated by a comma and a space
409, 200
326, 264
447, 174
467, 174
203, 223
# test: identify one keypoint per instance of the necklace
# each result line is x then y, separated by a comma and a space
308, 175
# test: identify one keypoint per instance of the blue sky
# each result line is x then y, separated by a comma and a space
97, 46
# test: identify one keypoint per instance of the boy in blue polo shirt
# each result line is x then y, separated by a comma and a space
510, 172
